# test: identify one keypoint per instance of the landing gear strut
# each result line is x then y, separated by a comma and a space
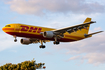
15, 40
42, 46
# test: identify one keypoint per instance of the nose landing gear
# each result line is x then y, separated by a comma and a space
15, 40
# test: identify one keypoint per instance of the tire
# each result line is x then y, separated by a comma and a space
15, 40
56, 43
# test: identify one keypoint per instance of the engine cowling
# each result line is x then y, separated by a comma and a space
48, 34
25, 41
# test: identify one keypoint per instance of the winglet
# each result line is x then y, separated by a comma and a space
89, 35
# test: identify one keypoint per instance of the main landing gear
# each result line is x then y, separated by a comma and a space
56, 42
42, 46
15, 40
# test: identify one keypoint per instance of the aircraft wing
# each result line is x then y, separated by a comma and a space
37, 40
73, 28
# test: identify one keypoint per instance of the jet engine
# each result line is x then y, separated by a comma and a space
48, 34
25, 41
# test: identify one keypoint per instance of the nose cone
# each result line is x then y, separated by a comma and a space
3, 29
7, 29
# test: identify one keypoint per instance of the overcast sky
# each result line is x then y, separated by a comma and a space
87, 54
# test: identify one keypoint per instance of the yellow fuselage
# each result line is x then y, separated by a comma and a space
28, 31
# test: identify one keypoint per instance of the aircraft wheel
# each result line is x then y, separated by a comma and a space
42, 46
15, 40
53, 42
56, 42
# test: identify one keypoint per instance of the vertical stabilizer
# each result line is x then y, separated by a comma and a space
86, 30
87, 20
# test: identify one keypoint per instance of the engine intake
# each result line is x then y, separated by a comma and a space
48, 34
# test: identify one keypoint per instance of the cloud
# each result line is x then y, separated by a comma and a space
91, 49
74, 58
39, 7
62, 21
98, 28
95, 58
6, 41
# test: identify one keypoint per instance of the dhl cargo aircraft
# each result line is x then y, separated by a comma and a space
36, 34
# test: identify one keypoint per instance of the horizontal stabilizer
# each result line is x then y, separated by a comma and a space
88, 35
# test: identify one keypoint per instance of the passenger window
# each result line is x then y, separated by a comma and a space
8, 26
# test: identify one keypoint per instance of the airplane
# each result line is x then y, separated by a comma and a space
35, 34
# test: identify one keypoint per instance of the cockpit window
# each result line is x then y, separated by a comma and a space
8, 26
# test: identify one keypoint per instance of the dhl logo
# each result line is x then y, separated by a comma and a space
31, 29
